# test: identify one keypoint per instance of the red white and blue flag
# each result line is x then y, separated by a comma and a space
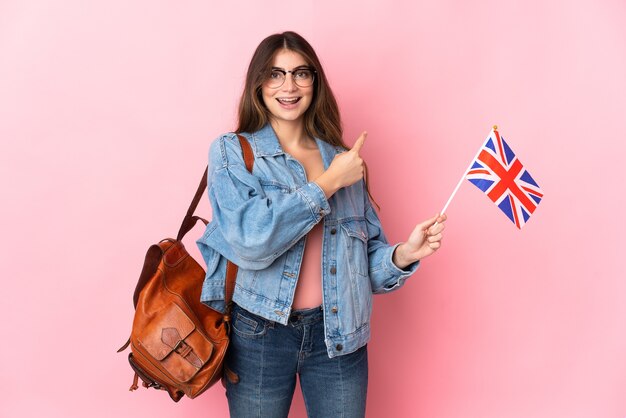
502, 177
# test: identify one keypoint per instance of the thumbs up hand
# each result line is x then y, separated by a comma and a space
346, 169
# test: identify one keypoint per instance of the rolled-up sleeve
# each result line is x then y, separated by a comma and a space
385, 276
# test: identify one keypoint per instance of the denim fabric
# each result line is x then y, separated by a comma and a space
260, 222
267, 356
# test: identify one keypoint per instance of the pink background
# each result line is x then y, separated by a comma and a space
107, 109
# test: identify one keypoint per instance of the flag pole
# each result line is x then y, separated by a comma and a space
456, 189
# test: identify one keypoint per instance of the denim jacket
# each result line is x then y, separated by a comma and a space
260, 222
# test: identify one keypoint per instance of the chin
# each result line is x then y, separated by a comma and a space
279, 116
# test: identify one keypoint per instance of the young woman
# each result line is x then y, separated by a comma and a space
309, 246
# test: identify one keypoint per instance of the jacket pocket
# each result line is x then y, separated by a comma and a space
356, 240
356, 246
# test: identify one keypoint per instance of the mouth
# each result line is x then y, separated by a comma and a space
288, 100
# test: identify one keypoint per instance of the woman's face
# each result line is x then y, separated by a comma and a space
289, 102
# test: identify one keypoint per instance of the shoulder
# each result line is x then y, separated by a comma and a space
225, 150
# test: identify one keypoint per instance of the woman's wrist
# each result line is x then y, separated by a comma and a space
400, 258
327, 184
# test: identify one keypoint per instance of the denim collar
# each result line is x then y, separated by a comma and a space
265, 144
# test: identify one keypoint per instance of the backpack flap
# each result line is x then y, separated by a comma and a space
171, 338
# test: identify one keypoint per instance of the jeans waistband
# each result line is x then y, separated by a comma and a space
306, 316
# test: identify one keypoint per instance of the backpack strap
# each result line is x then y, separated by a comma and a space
248, 155
189, 221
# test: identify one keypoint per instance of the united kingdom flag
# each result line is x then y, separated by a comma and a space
502, 177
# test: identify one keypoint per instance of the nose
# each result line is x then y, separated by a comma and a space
289, 84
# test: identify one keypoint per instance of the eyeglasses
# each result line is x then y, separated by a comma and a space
302, 77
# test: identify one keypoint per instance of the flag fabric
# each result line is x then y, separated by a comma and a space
502, 177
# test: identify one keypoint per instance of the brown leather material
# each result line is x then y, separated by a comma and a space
231, 376
175, 255
248, 155
178, 344
231, 276
134, 386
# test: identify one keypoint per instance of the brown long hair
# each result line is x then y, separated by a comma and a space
321, 119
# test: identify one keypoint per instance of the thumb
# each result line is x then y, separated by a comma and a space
424, 225
359, 142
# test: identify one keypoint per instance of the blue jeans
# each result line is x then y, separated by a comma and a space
267, 356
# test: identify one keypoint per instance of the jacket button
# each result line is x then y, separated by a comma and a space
333, 270
339, 347
333, 231
334, 309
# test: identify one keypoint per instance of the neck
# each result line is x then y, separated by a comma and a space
289, 133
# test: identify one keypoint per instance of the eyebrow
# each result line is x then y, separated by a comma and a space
299, 67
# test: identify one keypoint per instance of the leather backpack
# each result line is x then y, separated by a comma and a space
178, 344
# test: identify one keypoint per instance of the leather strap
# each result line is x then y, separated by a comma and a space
190, 220
171, 338
248, 155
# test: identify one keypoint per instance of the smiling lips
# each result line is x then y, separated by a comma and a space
288, 101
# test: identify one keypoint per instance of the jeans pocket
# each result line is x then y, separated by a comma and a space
247, 325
